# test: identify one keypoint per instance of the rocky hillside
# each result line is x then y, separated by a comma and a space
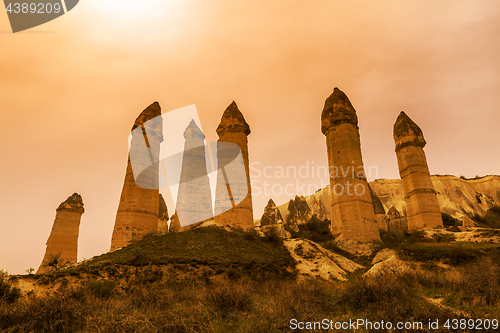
459, 197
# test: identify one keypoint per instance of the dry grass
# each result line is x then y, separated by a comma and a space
241, 304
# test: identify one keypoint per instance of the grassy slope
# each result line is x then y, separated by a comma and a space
210, 246
260, 296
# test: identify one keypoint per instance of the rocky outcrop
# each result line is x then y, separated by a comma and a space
233, 201
62, 244
422, 207
396, 222
315, 261
458, 197
194, 198
298, 212
139, 201
271, 214
319, 203
352, 216
387, 262
272, 221
162, 216
175, 225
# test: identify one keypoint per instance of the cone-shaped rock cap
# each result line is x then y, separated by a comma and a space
338, 110
407, 133
193, 131
74, 203
152, 111
233, 121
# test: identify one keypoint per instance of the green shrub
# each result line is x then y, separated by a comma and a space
8, 294
101, 289
62, 312
480, 283
228, 298
316, 230
272, 235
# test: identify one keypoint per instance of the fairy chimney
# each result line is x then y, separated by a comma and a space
233, 200
422, 207
139, 202
62, 244
353, 218
194, 199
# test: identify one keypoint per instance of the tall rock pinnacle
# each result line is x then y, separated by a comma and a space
353, 217
194, 198
422, 207
62, 243
233, 199
139, 202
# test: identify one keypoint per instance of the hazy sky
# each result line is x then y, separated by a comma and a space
71, 89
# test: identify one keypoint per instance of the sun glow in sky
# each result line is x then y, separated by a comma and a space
136, 9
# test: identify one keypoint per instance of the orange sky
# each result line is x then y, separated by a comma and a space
71, 89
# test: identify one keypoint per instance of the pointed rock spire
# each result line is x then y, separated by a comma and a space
152, 111
338, 109
407, 133
193, 131
271, 215
74, 203
233, 121
62, 243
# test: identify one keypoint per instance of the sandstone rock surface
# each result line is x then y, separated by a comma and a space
298, 212
139, 205
313, 260
272, 221
175, 225
422, 207
456, 196
387, 262
62, 243
353, 216
233, 129
194, 198
162, 216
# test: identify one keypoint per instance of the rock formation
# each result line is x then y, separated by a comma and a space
162, 216
458, 197
313, 260
353, 217
272, 219
233, 201
396, 222
298, 213
175, 225
139, 202
422, 207
194, 199
62, 244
